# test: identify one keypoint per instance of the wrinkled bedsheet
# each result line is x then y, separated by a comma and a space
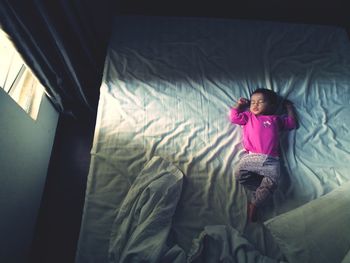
167, 89
140, 232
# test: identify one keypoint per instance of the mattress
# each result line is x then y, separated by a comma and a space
161, 180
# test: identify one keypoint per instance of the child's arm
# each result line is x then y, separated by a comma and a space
237, 114
291, 122
242, 103
290, 109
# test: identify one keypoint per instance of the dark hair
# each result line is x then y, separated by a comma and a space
269, 95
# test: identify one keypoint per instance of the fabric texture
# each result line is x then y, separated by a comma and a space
140, 230
225, 244
317, 231
260, 174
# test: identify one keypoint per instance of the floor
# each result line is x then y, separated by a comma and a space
59, 219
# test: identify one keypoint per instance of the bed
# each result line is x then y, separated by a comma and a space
161, 186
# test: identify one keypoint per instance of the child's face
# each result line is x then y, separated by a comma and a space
258, 104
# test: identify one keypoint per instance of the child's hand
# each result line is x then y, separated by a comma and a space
243, 102
289, 107
288, 104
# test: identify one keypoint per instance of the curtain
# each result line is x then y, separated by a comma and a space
64, 43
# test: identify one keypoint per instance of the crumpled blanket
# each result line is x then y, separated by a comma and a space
141, 229
219, 243
143, 222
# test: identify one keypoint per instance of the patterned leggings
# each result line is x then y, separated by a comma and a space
258, 173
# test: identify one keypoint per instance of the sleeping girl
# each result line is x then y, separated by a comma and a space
259, 169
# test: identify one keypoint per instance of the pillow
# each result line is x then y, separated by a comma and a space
318, 231
346, 259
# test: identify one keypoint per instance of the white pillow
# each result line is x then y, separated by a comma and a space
346, 259
318, 231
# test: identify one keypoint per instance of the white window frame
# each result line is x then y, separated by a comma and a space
17, 80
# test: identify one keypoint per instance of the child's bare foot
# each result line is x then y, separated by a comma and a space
252, 217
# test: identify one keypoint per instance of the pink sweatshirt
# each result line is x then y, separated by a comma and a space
261, 133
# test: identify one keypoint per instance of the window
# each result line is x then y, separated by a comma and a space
17, 80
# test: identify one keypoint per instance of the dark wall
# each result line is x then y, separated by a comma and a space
25, 148
315, 12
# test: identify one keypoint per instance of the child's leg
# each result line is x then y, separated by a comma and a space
255, 171
246, 173
264, 191
251, 212
249, 179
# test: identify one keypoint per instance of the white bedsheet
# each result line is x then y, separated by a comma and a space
141, 230
167, 89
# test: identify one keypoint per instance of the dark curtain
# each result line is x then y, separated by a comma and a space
64, 43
